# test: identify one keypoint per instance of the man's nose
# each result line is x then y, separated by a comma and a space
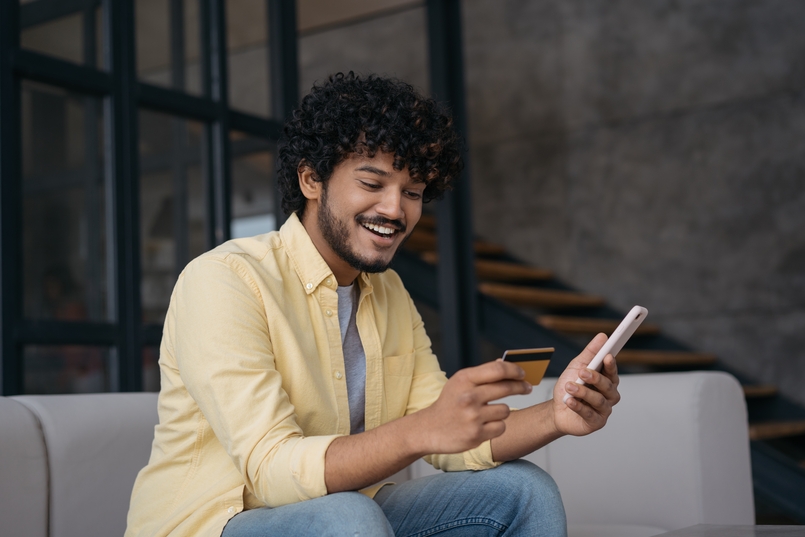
391, 205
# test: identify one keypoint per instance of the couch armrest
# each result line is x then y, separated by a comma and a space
96, 444
23, 472
675, 453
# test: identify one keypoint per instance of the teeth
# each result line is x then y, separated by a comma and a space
379, 229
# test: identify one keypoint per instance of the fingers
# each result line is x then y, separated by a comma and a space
594, 401
493, 429
485, 421
611, 369
490, 413
501, 389
481, 395
591, 349
603, 383
492, 372
493, 421
591, 417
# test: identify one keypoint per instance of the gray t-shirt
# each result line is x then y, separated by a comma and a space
354, 357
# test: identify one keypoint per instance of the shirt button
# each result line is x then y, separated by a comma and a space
230, 510
309, 286
329, 313
338, 375
328, 281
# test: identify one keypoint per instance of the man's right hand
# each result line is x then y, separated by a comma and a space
462, 418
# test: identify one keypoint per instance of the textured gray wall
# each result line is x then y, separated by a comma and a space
393, 44
651, 151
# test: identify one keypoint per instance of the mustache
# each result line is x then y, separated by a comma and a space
380, 221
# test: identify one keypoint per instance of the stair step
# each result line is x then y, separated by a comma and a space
588, 325
483, 247
422, 240
776, 429
759, 390
665, 358
508, 271
545, 298
487, 269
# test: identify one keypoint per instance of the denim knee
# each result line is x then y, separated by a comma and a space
534, 494
525, 478
342, 514
358, 515
528, 474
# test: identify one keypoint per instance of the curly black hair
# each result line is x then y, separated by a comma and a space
351, 114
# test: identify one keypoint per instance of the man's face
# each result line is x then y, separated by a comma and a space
363, 214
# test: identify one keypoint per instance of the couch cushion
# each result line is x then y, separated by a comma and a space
23, 472
96, 444
613, 530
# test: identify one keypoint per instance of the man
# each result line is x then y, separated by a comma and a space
295, 369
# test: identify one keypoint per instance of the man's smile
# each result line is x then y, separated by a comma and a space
387, 231
380, 230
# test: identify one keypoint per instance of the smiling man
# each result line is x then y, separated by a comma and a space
296, 374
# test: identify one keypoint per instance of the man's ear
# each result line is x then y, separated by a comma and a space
308, 182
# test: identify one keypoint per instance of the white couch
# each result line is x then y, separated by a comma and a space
675, 453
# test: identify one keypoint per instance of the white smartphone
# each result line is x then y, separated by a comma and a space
617, 340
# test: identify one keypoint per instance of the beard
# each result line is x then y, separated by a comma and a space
336, 232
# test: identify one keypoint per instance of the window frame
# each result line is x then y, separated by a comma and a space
123, 96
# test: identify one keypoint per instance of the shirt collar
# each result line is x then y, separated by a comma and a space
308, 262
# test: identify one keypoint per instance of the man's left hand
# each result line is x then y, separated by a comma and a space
590, 404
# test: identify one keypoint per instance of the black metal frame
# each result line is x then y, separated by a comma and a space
456, 275
123, 96
10, 193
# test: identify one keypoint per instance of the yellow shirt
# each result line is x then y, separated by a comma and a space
253, 384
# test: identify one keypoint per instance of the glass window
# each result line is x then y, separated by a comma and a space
57, 30
64, 227
247, 47
51, 369
172, 205
168, 45
253, 186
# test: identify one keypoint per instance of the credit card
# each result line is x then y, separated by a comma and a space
533, 361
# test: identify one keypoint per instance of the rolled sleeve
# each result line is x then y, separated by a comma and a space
479, 458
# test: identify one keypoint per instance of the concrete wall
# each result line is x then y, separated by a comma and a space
391, 44
650, 151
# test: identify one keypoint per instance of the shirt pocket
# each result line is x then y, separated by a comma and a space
397, 374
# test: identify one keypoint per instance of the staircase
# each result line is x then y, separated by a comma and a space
525, 306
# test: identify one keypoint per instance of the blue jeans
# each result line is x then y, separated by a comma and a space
517, 498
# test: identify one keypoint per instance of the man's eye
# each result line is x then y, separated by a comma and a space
371, 186
413, 195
